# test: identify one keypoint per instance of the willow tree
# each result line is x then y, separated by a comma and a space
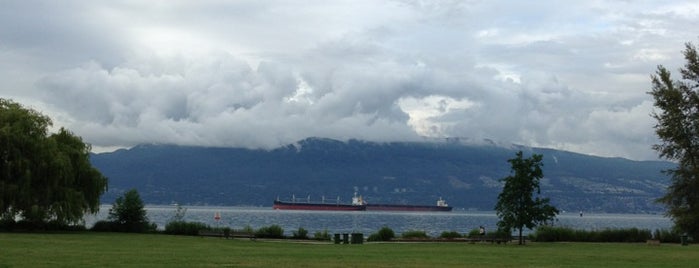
44, 177
677, 127
517, 205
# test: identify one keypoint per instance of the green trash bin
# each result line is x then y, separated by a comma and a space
684, 239
337, 239
357, 238
345, 239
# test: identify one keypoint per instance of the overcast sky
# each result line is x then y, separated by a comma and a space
569, 75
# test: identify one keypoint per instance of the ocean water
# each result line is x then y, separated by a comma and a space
367, 222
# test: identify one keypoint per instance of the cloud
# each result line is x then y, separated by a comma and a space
215, 101
264, 74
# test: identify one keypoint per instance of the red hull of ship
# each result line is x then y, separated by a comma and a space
386, 207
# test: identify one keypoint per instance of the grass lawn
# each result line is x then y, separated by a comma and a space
147, 250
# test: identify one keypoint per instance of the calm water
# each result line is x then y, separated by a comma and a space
433, 223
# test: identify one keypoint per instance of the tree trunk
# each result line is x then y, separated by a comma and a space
521, 240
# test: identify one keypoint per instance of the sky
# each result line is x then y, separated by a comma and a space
570, 75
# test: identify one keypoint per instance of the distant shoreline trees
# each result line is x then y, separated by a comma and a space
44, 177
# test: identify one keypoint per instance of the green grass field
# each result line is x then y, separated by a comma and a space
147, 250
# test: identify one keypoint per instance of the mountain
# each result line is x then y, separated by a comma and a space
466, 175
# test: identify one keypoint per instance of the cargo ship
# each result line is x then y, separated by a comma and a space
356, 205
441, 206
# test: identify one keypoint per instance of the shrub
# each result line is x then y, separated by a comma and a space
25, 225
500, 233
322, 236
152, 227
667, 236
300, 234
622, 235
104, 226
553, 234
384, 234
414, 235
6, 224
248, 230
62, 226
111, 226
185, 228
450, 235
273, 231
474, 233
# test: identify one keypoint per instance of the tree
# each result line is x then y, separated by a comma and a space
44, 177
128, 213
678, 129
516, 206
179, 214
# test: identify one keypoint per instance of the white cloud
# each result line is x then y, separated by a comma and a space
427, 114
262, 74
